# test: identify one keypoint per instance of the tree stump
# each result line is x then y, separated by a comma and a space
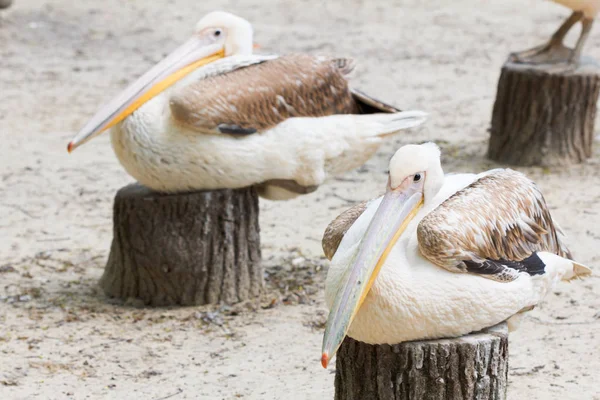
473, 367
544, 114
184, 249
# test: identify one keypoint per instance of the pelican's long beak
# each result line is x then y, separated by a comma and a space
397, 209
192, 54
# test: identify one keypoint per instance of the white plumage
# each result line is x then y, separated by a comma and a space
413, 298
165, 156
456, 287
198, 121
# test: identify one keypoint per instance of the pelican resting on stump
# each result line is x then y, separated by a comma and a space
211, 115
440, 255
584, 11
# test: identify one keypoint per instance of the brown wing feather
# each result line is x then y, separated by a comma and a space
501, 216
335, 231
261, 96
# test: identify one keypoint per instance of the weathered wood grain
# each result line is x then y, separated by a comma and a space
473, 367
544, 114
184, 249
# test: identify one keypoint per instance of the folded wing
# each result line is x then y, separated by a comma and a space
257, 97
493, 227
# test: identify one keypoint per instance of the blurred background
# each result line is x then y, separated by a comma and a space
60, 60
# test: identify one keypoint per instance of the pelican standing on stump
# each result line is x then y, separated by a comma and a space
440, 255
211, 115
584, 11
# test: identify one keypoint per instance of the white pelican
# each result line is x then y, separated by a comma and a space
211, 115
440, 255
584, 11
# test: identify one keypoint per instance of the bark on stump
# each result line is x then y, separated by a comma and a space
184, 249
473, 367
544, 114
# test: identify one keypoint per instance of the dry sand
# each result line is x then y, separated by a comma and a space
60, 60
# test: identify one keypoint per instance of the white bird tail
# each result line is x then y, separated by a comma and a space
578, 271
393, 123
556, 268
563, 268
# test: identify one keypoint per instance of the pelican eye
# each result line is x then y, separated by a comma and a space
217, 33
417, 178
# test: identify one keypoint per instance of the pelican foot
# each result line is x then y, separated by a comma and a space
546, 54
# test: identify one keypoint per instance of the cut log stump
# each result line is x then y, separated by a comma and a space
473, 367
184, 249
544, 114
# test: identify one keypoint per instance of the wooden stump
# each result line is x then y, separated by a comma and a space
473, 367
544, 114
184, 249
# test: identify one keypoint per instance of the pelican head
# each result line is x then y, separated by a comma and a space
415, 176
217, 35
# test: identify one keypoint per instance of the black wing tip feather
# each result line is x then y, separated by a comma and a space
506, 270
235, 129
370, 105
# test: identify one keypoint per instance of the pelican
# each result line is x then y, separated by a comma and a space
440, 255
584, 11
212, 115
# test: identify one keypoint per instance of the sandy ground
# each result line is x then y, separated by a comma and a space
60, 338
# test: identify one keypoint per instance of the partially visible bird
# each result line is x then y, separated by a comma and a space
211, 115
584, 11
440, 255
